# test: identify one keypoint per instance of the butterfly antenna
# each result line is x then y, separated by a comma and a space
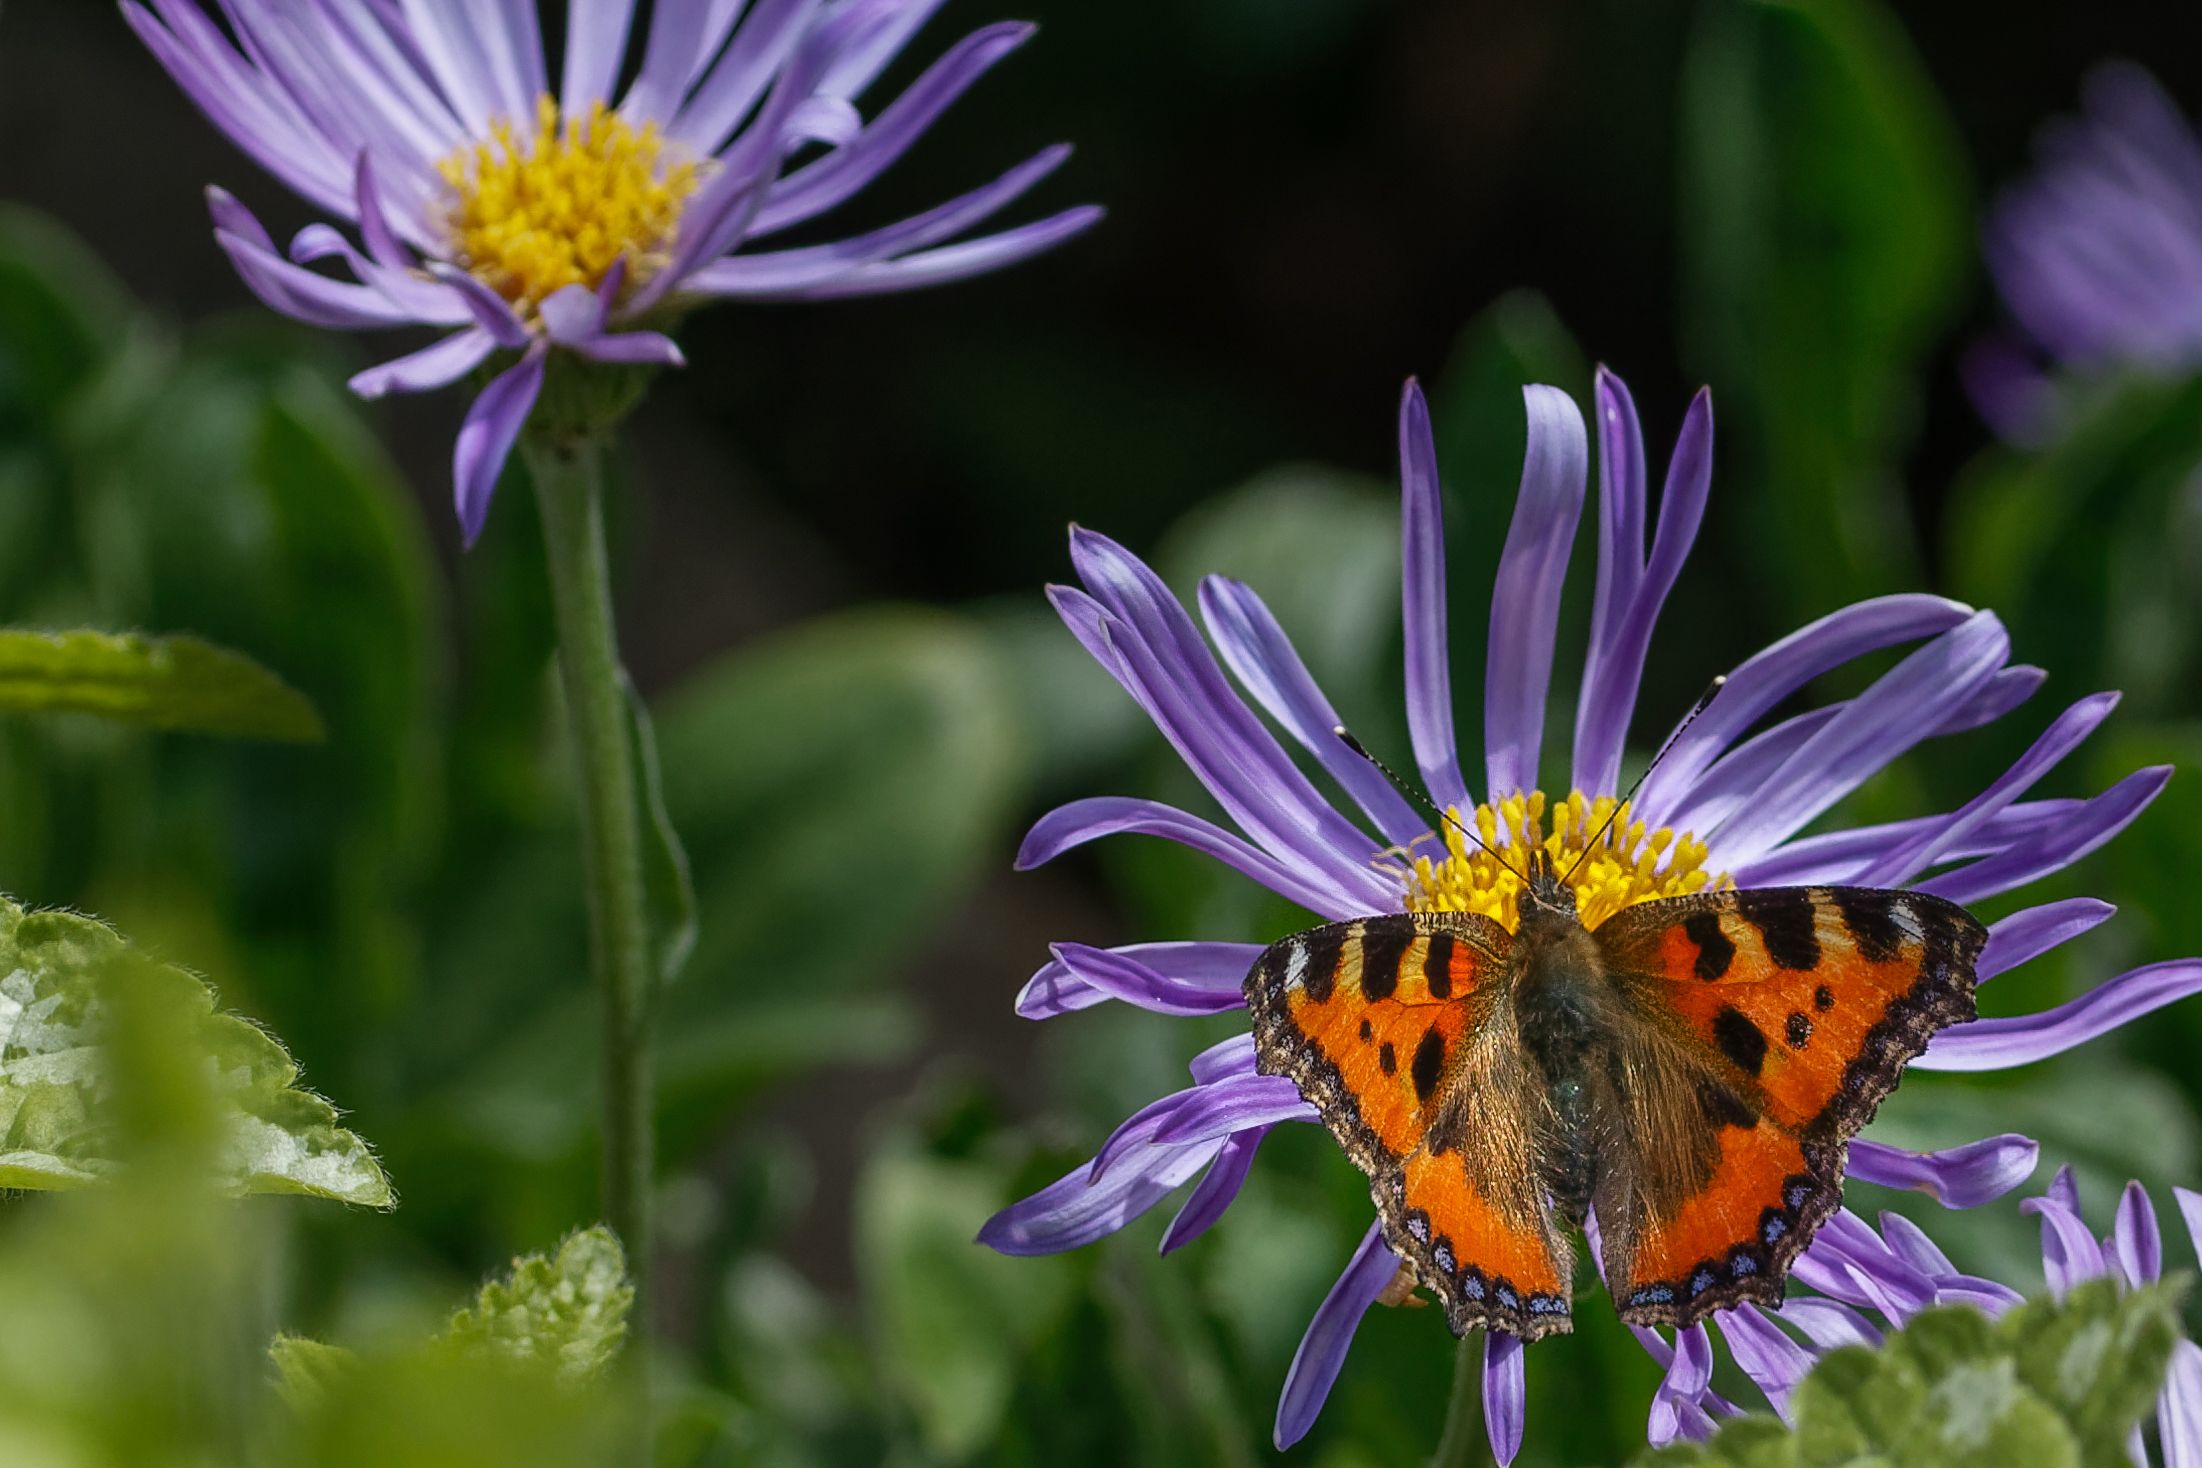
1697, 708
1446, 817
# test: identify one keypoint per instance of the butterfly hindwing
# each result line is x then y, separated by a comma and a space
1398, 1029
1775, 1021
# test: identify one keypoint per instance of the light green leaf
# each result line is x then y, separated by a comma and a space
566, 1313
176, 683
58, 1124
305, 1369
668, 884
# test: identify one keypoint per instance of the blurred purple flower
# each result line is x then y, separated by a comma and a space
524, 214
2098, 255
1739, 798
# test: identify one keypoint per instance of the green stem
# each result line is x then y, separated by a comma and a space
1462, 1444
568, 474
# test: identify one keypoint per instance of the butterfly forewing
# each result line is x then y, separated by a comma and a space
1399, 1029
1773, 1022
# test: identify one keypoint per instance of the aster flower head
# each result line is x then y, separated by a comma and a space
1727, 805
2098, 254
531, 219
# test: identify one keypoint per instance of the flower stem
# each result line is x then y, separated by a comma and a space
1462, 1443
568, 473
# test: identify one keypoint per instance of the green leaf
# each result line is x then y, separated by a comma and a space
566, 1313
178, 683
305, 1369
59, 1123
669, 886
2054, 1383
1825, 231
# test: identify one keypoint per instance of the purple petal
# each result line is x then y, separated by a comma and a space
492, 312
2053, 850
1766, 1353
447, 44
1075, 1210
2179, 1408
1218, 1187
1901, 708
1838, 856
2069, 1253
634, 348
1830, 1324
1737, 777
309, 297
596, 44
486, 438
954, 262
1958, 1177
1997, 1044
1852, 1263
1770, 676
1505, 1394
1525, 601
1323, 1349
1689, 1373
1911, 1244
573, 315
2190, 1213
1110, 815
1234, 1056
760, 52
2029, 933
1422, 594
1216, 969
860, 65
2135, 1241
1235, 1104
2063, 735
1615, 667
431, 367
1600, 727
1262, 658
1121, 977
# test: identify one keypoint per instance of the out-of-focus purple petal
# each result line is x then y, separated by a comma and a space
492, 312
1997, 1044
633, 348
2027, 934
1615, 667
1525, 600
2063, 735
1076, 1209
2009, 389
1323, 1349
1234, 1056
446, 42
1764, 680
1234, 1104
1122, 977
596, 44
2135, 1241
1766, 1353
306, 296
486, 438
431, 367
1505, 1394
572, 315
1217, 969
1422, 606
1215, 1192
1259, 654
1109, 815
2179, 1408
2190, 1213
725, 94
1899, 710
1831, 1324
954, 262
2027, 861
1958, 1177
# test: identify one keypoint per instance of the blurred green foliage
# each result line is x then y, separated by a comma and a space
398, 902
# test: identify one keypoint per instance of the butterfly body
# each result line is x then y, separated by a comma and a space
1686, 1077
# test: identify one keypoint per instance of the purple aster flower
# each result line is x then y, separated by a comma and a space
525, 215
1727, 804
2099, 254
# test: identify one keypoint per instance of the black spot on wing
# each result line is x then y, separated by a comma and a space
1384, 942
1429, 1063
1437, 966
1366, 1032
1740, 1040
1714, 951
1387, 1059
1800, 1030
1724, 1107
1870, 917
1320, 977
1783, 916
1823, 999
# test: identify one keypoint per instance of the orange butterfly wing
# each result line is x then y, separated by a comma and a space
1776, 1021
1399, 1031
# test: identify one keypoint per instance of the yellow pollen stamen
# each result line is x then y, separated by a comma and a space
560, 207
1627, 865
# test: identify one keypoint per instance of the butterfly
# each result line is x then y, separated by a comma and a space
1688, 1075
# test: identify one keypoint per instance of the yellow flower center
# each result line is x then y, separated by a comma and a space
1624, 866
562, 205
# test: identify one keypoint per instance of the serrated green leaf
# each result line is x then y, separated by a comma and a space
669, 886
177, 683
305, 1369
59, 978
566, 1313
